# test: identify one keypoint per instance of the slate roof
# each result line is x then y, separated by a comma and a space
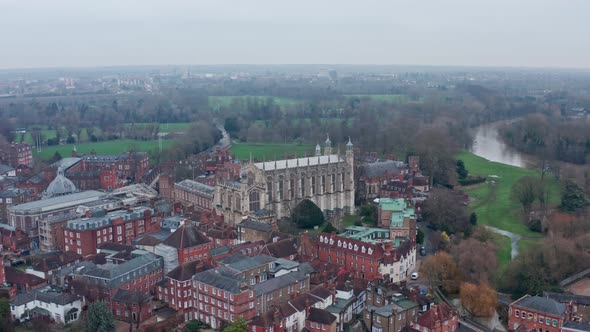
321, 292
148, 240
115, 272
221, 277
187, 270
196, 187
5, 169
123, 295
252, 224
241, 262
541, 304
577, 326
54, 260
320, 316
220, 251
283, 281
111, 246
563, 297
46, 295
380, 168
186, 236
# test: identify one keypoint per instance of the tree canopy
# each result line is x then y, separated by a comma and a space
240, 325
573, 197
99, 318
444, 211
306, 214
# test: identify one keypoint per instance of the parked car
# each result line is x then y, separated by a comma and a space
415, 276
422, 251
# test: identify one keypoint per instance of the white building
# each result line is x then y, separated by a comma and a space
399, 267
47, 302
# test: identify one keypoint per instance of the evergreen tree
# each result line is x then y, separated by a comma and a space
473, 219
573, 198
99, 318
461, 170
306, 214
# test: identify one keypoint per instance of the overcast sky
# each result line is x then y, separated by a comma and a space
58, 33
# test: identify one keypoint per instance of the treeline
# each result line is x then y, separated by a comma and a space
550, 137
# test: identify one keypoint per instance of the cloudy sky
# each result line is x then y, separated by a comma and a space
73, 33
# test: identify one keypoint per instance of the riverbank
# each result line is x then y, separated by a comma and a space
494, 206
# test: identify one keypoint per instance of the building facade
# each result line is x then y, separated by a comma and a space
194, 194
535, 313
84, 235
16, 155
280, 185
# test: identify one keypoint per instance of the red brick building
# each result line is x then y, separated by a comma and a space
439, 318
221, 296
16, 155
134, 306
84, 235
361, 258
320, 320
138, 274
190, 243
536, 314
176, 289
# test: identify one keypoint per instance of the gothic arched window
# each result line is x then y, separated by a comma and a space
269, 188
254, 198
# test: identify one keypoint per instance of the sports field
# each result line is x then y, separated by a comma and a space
270, 151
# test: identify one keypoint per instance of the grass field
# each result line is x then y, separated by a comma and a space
215, 102
106, 147
494, 206
168, 127
270, 151
394, 99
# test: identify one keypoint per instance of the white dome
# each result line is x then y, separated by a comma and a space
60, 186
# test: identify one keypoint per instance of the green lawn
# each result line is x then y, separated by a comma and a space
106, 147
270, 151
215, 102
493, 204
394, 99
168, 127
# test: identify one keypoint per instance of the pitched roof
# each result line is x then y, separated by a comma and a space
46, 295
187, 270
148, 240
111, 246
17, 277
382, 167
438, 313
279, 282
541, 304
123, 295
577, 326
320, 316
222, 277
299, 162
186, 236
282, 248
54, 260
241, 262
563, 297
115, 272
321, 292
252, 224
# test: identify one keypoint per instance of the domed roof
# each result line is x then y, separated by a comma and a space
60, 186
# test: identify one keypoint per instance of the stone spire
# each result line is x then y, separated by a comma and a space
328, 146
318, 150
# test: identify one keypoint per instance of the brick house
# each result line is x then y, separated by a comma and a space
277, 290
16, 155
176, 289
391, 317
132, 306
252, 270
190, 243
320, 320
536, 314
13, 238
84, 235
221, 296
139, 274
577, 305
286, 248
439, 318
47, 264
252, 231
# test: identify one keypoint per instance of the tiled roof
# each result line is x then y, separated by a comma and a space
17, 277
321, 292
46, 295
186, 236
147, 240
438, 313
320, 316
541, 304
283, 248
382, 167
54, 260
187, 270
251, 224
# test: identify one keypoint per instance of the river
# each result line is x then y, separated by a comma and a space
488, 144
